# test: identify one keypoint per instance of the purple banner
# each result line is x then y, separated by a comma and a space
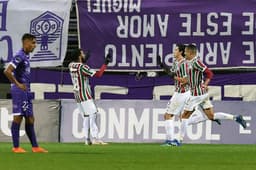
136, 31
57, 85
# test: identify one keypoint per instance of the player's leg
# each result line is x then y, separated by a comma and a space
29, 124
208, 110
30, 129
196, 117
168, 119
223, 116
184, 123
169, 127
174, 108
94, 130
93, 127
199, 115
17, 103
86, 124
15, 130
91, 110
190, 104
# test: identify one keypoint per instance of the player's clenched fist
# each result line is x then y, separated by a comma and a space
108, 58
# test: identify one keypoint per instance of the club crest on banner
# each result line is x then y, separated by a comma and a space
48, 31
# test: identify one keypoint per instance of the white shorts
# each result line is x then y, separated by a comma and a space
87, 107
176, 104
194, 101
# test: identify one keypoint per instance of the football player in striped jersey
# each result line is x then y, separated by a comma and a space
181, 94
80, 74
199, 91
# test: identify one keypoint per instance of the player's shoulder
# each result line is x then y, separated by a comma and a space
183, 61
196, 60
20, 54
85, 66
78, 65
18, 57
74, 65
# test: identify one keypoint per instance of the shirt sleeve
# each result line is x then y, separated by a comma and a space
16, 60
86, 71
199, 65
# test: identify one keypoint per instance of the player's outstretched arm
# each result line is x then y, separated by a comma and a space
108, 59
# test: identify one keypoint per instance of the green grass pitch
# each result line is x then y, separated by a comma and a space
124, 156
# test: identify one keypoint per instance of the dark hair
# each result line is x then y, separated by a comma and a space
28, 36
73, 56
181, 48
192, 48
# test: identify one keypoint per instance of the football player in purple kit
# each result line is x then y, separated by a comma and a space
18, 72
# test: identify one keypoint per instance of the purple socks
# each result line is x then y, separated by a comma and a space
15, 129
31, 134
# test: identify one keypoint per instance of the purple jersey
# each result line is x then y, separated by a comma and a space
21, 64
21, 100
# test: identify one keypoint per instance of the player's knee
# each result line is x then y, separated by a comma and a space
30, 120
186, 114
17, 119
168, 116
210, 116
209, 113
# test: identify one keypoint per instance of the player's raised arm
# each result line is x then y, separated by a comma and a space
100, 72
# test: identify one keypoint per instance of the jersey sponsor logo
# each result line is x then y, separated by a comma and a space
17, 59
48, 31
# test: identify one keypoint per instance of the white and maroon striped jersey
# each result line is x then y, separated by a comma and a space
196, 76
180, 69
80, 74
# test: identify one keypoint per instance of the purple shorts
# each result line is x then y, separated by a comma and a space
22, 103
